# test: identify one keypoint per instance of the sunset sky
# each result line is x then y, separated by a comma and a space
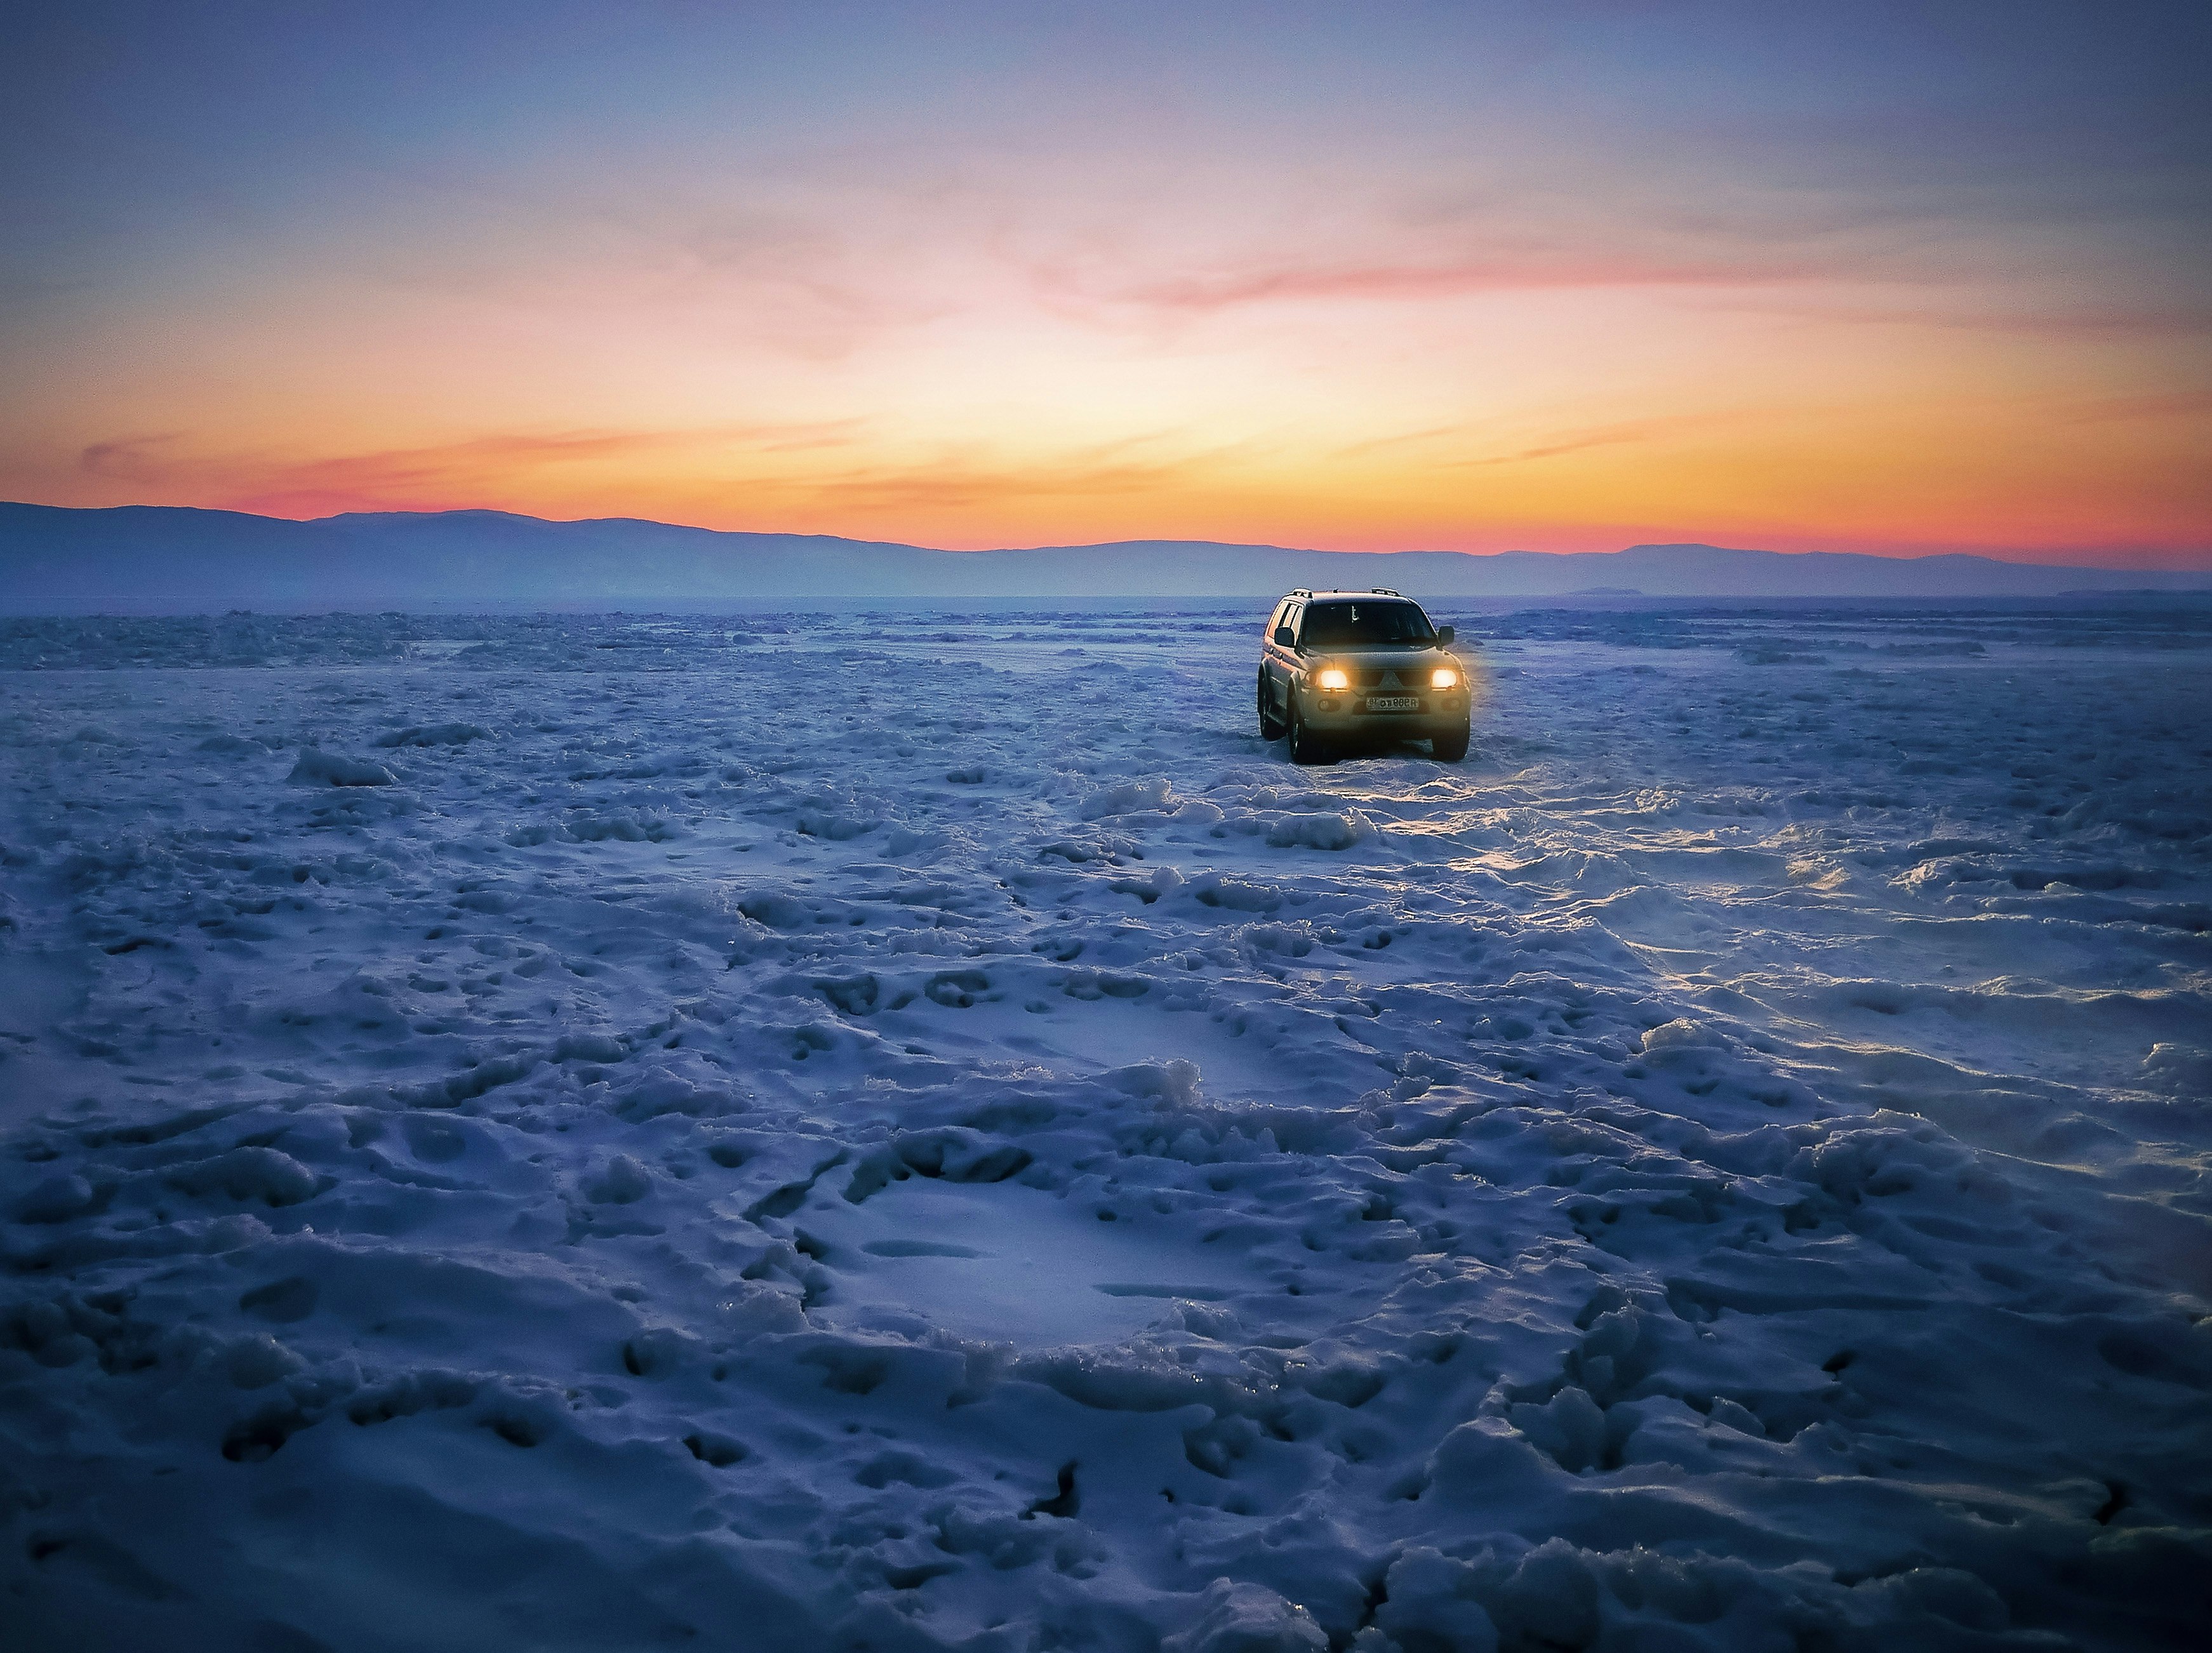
1373, 276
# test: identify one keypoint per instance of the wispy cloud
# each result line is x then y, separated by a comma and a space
437, 474
129, 459
770, 461
398, 468
1464, 435
1976, 312
1107, 469
1602, 436
1398, 283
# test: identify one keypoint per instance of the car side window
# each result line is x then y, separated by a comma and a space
1276, 618
1296, 619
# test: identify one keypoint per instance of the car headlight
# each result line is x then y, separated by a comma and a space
1332, 676
1443, 678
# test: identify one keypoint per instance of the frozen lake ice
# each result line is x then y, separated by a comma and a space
891, 1131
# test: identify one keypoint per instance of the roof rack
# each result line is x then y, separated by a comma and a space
1383, 590
1301, 591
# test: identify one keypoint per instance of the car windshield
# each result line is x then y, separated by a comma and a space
1359, 625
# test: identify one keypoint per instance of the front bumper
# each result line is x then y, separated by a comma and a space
1347, 713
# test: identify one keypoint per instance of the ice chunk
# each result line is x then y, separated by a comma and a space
1126, 797
1327, 829
317, 767
247, 1175
2182, 1069
1236, 1618
56, 1199
623, 1180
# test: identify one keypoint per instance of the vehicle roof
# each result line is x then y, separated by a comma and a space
1383, 596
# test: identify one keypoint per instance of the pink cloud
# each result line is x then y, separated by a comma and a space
1393, 283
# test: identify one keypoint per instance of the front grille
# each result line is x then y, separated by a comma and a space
1382, 681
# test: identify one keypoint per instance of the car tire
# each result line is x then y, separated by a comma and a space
1451, 746
1304, 746
1271, 727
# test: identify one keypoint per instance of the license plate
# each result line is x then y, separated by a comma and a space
1393, 702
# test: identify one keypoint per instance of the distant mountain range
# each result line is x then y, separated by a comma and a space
162, 559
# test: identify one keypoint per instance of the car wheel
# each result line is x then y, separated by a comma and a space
1271, 727
1451, 747
1305, 747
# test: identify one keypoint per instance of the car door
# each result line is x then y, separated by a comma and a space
1266, 658
1279, 662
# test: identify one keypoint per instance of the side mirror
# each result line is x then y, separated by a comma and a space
1444, 635
1284, 639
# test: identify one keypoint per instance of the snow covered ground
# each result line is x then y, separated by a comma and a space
891, 1132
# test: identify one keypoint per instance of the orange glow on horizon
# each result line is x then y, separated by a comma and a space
1062, 304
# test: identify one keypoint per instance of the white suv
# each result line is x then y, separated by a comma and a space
1342, 666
